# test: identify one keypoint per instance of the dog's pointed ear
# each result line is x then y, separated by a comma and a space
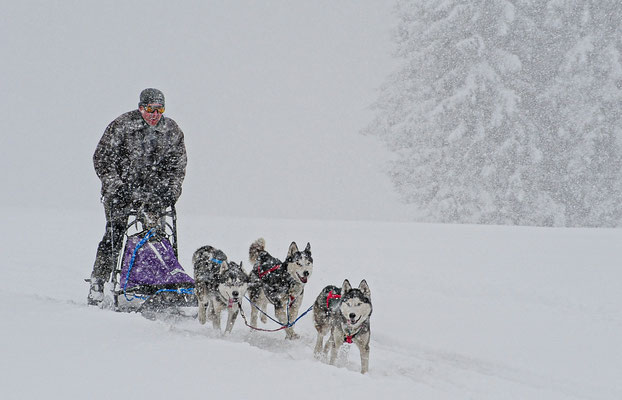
223, 267
363, 287
308, 248
242, 267
293, 248
346, 287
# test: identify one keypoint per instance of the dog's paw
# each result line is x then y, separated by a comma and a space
292, 336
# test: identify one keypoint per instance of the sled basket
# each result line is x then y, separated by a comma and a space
148, 273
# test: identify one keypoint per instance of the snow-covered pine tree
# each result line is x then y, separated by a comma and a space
471, 116
581, 128
451, 112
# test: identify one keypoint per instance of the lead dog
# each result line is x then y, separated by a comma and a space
280, 283
220, 285
345, 314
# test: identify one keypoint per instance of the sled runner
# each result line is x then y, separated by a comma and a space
147, 277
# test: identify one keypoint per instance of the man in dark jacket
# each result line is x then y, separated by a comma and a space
141, 162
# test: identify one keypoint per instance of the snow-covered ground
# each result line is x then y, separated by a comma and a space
460, 312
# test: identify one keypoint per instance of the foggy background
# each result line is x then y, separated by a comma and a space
271, 97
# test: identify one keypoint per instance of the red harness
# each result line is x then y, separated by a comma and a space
331, 296
262, 274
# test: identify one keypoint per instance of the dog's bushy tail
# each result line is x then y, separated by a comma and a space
257, 247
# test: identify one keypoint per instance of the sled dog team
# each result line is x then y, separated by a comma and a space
221, 284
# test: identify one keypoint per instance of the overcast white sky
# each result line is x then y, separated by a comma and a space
270, 95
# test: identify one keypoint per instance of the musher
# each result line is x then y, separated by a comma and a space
141, 162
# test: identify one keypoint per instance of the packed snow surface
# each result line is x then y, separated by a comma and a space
481, 312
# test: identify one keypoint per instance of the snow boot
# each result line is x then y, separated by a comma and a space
96, 292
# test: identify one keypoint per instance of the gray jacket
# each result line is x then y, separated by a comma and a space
139, 164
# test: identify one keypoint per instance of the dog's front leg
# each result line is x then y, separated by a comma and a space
281, 314
293, 314
263, 305
334, 344
329, 344
319, 343
364, 359
279, 311
233, 314
202, 313
214, 314
253, 317
203, 302
258, 301
363, 346
254, 296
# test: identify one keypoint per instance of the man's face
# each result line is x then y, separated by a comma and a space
152, 113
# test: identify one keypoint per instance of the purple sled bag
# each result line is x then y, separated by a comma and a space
155, 264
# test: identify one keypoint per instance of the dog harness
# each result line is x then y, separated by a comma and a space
332, 296
264, 273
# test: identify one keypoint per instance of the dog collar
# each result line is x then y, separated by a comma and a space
348, 338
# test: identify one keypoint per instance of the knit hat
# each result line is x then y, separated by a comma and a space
151, 96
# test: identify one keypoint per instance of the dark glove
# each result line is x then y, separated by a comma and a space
140, 197
165, 194
147, 201
116, 206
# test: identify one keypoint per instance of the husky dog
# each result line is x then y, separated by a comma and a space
345, 314
280, 283
220, 285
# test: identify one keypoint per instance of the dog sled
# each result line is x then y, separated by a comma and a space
147, 277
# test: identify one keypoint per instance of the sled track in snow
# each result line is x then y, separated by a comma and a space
440, 370
437, 369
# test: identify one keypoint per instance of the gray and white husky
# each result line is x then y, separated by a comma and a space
345, 314
279, 282
220, 285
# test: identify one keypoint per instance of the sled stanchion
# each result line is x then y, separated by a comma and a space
174, 216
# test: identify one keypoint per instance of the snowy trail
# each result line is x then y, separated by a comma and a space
396, 361
445, 325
